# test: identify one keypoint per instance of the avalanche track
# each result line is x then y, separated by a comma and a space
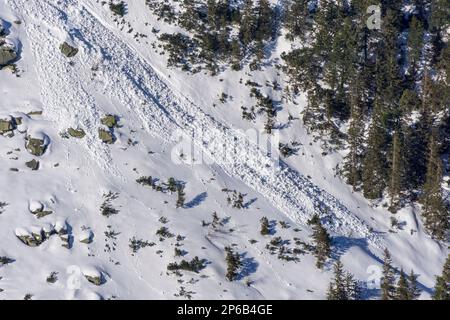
71, 96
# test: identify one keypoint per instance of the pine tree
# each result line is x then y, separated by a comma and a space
181, 196
343, 286
233, 264
416, 139
442, 286
338, 289
172, 185
435, 211
297, 18
352, 287
414, 291
402, 291
265, 228
374, 173
396, 183
248, 24
322, 242
415, 45
353, 161
388, 279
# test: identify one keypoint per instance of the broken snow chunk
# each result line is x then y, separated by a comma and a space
48, 230
86, 236
68, 50
61, 227
35, 206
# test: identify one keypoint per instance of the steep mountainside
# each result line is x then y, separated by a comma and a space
133, 169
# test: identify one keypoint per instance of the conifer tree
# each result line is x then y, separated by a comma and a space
435, 210
338, 288
388, 279
415, 45
322, 241
352, 287
343, 286
414, 290
297, 18
402, 290
353, 161
396, 181
233, 264
442, 286
374, 173
265, 229
181, 196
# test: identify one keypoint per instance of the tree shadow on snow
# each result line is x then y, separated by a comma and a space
197, 200
249, 266
341, 244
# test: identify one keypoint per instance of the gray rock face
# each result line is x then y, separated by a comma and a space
68, 50
109, 120
33, 164
7, 54
76, 133
36, 146
6, 126
96, 280
106, 136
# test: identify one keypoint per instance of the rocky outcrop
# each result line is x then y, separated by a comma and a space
37, 208
68, 50
76, 133
35, 236
37, 144
6, 125
106, 136
110, 121
33, 164
7, 54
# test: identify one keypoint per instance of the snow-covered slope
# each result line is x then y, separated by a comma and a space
114, 74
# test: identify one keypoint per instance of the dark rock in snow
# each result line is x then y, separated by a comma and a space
68, 50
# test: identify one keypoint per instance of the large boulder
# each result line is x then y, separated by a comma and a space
68, 50
37, 144
106, 136
37, 208
31, 238
76, 133
109, 120
7, 54
6, 125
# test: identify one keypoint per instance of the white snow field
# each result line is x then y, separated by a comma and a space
114, 74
